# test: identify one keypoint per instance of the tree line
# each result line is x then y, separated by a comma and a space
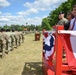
47, 22
21, 27
52, 18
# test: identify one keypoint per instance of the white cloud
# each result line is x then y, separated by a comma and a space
3, 19
28, 12
4, 3
35, 20
33, 8
40, 5
44, 4
9, 19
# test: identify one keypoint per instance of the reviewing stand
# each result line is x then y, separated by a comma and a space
57, 68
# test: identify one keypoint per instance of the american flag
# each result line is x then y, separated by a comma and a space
49, 42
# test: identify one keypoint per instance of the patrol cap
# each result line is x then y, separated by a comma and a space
61, 12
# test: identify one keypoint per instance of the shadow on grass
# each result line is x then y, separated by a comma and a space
0, 56
32, 68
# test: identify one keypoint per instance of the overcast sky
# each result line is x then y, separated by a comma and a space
26, 11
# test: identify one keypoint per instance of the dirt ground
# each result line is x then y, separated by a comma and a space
25, 60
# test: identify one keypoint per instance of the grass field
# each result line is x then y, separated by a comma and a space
25, 60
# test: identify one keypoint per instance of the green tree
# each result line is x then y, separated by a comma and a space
53, 15
6, 27
0, 27
73, 2
46, 24
39, 27
32, 27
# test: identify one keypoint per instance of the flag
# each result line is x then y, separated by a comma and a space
69, 43
48, 45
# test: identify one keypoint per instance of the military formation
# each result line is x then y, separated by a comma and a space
10, 40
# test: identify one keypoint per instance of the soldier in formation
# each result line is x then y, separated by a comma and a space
9, 40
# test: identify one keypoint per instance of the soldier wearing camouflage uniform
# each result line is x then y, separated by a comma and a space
22, 34
2, 42
8, 40
63, 20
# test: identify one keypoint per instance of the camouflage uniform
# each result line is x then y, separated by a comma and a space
63, 21
22, 34
2, 44
12, 40
8, 41
16, 39
19, 38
